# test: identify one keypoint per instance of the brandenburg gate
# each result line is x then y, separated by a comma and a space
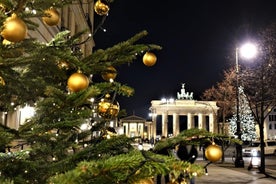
170, 117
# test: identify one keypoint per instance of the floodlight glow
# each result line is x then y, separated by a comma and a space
163, 100
248, 50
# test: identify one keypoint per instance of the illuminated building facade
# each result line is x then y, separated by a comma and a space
170, 117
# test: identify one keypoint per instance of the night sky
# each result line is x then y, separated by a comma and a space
198, 38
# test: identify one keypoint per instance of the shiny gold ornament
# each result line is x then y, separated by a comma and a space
145, 181
213, 152
2, 82
101, 7
149, 59
15, 29
52, 17
77, 82
63, 65
109, 73
107, 108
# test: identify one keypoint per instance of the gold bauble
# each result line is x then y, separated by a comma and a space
2, 82
145, 181
15, 29
52, 17
213, 152
77, 82
149, 59
101, 7
63, 65
109, 73
107, 108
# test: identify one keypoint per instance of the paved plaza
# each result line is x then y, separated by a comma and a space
221, 173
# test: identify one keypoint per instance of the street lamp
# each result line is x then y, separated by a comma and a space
247, 51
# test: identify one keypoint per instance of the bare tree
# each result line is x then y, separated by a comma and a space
224, 94
259, 82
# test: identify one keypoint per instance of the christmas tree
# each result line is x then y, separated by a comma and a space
248, 126
58, 81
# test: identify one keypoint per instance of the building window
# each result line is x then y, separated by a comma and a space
275, 126
272, 117
270, 126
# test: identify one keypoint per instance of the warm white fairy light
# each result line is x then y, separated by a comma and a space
85, 126
140, 147
92, 100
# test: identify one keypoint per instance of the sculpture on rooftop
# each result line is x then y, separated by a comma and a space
183, 95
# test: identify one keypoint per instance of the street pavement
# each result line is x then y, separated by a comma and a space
227, 174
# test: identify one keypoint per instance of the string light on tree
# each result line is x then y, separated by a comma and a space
149, 59
6, 42
15, 29
247, 120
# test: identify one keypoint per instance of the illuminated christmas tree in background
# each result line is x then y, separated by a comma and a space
248, 125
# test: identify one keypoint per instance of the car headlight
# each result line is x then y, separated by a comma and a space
254, 152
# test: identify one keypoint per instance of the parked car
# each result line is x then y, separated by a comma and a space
269, 148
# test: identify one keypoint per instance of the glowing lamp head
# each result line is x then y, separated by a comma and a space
248, 50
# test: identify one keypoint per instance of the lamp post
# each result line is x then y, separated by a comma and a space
247, 51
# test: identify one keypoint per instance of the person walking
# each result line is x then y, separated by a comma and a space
187, 153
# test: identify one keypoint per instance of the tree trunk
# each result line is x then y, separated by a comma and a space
261, 126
